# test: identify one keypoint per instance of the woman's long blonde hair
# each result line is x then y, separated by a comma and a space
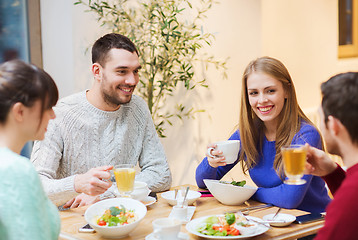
251, 127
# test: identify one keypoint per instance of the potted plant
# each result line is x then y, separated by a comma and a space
168, 35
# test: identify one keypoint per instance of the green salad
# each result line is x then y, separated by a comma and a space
219, 225
233, 182
116, 216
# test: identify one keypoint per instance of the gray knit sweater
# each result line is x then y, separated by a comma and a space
82, 137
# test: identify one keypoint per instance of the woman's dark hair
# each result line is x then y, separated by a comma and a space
340, 100
25, 83
109, 41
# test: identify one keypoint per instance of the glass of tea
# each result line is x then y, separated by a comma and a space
294, 161
125, 175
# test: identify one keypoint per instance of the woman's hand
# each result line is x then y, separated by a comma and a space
217, 160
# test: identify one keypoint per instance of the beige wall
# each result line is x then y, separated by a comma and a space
304, 35
301, 33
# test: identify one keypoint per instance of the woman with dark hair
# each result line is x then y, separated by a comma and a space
270, 118
27, 95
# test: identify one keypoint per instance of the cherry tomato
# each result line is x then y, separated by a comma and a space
102, 223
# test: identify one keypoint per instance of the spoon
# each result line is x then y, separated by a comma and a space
186, 194
175, 193
278, 210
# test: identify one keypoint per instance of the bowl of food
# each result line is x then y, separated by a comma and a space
116, 217
230, 193
169, 196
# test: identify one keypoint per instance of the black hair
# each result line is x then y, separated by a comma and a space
109, 41
340, 100
25, 83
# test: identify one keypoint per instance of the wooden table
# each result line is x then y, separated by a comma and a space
71, 220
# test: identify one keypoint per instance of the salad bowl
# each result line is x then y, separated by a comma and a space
96, 210
229, 194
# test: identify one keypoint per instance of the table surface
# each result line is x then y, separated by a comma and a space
72, 220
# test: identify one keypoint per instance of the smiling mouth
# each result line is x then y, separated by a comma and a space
126, 89
266, 109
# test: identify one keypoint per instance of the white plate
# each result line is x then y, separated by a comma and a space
193, 224
280, 220
148, 200
181, 236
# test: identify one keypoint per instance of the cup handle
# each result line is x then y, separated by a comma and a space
209, 152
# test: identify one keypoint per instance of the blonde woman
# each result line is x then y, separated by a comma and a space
270, 118
27, 95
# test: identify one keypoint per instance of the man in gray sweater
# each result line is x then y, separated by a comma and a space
99, 128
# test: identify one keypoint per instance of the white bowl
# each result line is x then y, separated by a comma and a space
140, 190
280, 220
96, 210
191, 197
229, 194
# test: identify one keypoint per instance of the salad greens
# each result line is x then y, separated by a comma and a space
219, 226
240, 184
115, 216
230, 218
233, 182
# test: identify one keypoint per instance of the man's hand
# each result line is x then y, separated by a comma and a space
81, 200
318, 163
94, 182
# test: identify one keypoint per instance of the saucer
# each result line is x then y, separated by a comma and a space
281, 220
190, 213
148, 200
181, 236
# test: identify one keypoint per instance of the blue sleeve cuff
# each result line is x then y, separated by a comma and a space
204, 171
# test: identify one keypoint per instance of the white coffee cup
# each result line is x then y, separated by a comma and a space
230, 150
166, 228
180, 212
140, 190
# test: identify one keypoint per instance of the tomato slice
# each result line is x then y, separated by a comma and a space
233, 231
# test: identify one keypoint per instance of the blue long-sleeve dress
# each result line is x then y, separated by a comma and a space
311, 196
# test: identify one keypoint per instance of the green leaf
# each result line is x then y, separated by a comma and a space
116, 211
230, 218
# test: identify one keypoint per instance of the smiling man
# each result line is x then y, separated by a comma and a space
339, 126
99, 128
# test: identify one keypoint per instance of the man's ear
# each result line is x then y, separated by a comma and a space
334, 125
17, 111
97, 71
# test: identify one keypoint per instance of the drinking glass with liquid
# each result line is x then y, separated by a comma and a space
294, 160
125, 175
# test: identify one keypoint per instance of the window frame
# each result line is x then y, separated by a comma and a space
34, 28
351, 50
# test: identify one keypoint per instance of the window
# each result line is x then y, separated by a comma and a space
348, 28
20, 31
20, 36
